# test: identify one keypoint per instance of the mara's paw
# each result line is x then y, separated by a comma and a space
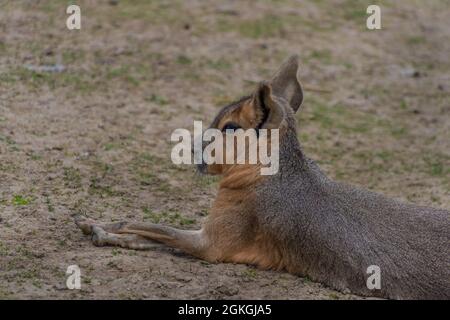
84, 224
99, 236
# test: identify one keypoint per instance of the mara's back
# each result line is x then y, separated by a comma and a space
333, 232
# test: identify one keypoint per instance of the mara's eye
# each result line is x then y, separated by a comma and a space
231, 126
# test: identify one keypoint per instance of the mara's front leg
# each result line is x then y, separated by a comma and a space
143, 236
220, 240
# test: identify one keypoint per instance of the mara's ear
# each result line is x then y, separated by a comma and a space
270, 112
285, 83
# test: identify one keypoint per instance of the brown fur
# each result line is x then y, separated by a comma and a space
245, 115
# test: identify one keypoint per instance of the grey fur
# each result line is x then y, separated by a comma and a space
332, 231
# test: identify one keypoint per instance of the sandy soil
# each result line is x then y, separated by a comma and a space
95, 138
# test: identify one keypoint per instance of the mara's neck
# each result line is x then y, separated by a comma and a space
241, 176
292, 158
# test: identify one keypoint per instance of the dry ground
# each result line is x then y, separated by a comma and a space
95, 138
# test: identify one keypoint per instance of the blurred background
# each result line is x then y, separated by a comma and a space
86, 117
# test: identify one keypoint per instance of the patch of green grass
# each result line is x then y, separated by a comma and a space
37, 283
303, 137
355, 10
205, 181
436, 167
384, 155
160, 100
4, 294
3, 250
72, 177
398, 131
156, 12
7, 77
115, 251
148, 178
50, 206
307, 280
415, 40
265, 27
219, 64
121, 71
124, 73
192, 75
96, 187
182, 59
355, 13
81, 82
51, 6
403, 105
375, 160
102, 167
311, 24
109, 146
432, 164
333, 296
19, 200
114, 145
340, 117
87, 280
61, 242
250, 273
25, 252
35, 156
144, 167
170, 216
270, 26
8, 140
348, 65
321, 115
72, 55
435, 199
31, 273
221, 100
324, 55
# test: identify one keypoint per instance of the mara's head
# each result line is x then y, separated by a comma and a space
271, 106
